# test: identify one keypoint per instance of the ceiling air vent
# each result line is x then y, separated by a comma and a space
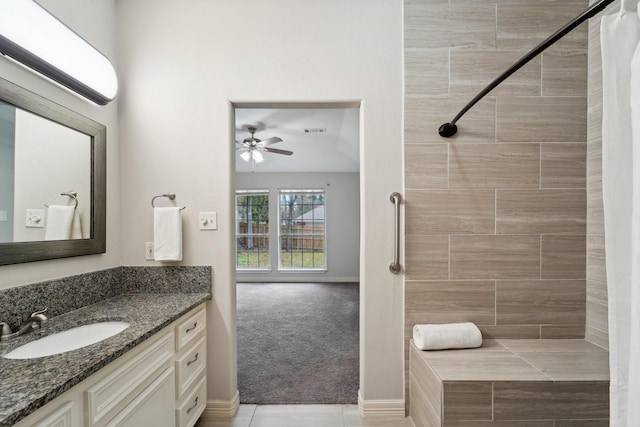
315, 130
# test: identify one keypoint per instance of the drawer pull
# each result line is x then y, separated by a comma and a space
195, 325
194, 360
195, 403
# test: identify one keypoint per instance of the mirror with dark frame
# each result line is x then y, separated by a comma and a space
51, 159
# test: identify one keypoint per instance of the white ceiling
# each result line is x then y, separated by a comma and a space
336, 150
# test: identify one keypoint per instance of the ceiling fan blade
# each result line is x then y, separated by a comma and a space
276, 151
270, 141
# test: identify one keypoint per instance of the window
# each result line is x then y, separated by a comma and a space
252, 229
302, 229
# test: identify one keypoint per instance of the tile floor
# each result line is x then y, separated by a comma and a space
302, 415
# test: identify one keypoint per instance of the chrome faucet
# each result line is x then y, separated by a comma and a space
33, 323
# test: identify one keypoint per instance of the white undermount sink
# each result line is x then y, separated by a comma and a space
70, 339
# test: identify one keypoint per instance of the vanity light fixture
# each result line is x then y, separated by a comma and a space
32, 36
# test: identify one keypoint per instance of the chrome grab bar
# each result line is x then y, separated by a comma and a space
395, 266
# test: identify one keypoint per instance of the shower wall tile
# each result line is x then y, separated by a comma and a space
597, 315
423, 117
581, 400
450, 301
595, 211
428, 379
426, 72
471, 71
564, 73
594, 167
562, 331
449, 211
563, 257
541, 119
467, 401
597, 299
517, 163
596, 262
527, 423
424, 24
563, 165
510, 331
426, 166
598, 293
494, 257
596, 336
525, 302
541, 211
523, 26
604, 422
494, 165
422, 412
427, 257
550, 3
472, 26
434, 24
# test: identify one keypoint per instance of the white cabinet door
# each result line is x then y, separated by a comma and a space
154, 406
61, 417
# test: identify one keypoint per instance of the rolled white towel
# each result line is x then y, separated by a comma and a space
448, 335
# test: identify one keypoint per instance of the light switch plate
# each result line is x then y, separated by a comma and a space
208, 220
4, 217
35, 218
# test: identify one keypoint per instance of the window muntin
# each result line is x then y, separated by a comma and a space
302, 229
252, 230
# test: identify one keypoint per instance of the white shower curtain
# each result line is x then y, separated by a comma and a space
620, 36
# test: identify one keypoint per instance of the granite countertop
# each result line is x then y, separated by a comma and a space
29, 384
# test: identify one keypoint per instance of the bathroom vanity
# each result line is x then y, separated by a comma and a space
152, 373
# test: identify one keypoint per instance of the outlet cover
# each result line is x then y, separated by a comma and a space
149, 256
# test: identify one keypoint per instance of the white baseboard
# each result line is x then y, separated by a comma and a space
222, 409
391, 408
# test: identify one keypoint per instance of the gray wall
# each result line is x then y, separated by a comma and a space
342, 224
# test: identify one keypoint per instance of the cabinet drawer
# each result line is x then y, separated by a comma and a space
190, 366
193, 405
111, 394
189, 329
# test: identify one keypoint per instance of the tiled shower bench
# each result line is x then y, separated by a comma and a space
532, 383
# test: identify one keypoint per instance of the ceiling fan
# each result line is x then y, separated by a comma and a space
252, 147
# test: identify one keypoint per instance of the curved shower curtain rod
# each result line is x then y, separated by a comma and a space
449, 129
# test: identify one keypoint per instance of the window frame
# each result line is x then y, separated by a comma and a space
238, 235
284, 269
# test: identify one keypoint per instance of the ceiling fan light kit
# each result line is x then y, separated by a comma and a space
253, 147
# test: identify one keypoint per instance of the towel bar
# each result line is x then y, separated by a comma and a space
170, 196
72, 194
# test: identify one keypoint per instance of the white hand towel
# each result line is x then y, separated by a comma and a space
76, 228
59, 222
167, 234
449, 335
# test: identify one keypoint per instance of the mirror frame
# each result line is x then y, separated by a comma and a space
19, 252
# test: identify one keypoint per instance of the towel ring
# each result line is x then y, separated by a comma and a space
170, 196
72, 194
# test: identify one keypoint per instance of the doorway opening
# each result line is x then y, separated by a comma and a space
297, 234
